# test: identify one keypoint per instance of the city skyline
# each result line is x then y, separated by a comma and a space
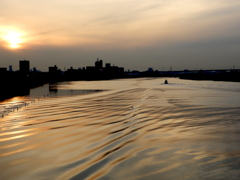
132, 34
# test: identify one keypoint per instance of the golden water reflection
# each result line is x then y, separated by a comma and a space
141, 130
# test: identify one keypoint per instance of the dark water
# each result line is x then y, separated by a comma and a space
123, 129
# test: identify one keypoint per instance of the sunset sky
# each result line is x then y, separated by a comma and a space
135, 34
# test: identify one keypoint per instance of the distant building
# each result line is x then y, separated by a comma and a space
121, 69
72, 70
91, 68
24, 66
99, 64
3, 69
10, 68
150, 69
114, 69
107, 65
53, 69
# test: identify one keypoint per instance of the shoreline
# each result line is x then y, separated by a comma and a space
22, 87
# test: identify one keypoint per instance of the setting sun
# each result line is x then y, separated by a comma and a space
13, 39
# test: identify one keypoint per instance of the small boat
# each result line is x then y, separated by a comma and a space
166, 82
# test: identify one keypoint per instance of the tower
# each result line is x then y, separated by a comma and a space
24, 66
10, 68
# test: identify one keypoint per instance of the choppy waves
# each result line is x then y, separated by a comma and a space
134, 133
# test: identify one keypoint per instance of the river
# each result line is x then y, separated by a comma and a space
123, 129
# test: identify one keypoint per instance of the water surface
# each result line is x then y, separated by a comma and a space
123, 129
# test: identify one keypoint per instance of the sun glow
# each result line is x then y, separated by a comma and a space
13, 39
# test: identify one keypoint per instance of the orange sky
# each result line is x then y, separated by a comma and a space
135, 34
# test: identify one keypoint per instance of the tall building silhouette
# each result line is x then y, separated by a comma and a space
24, 66
99, 64
10, 68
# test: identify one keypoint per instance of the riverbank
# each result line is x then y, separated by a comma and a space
18, 84
231, 76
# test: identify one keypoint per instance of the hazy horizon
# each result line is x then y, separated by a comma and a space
132, 34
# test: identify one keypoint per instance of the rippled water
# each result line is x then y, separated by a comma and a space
123, 129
